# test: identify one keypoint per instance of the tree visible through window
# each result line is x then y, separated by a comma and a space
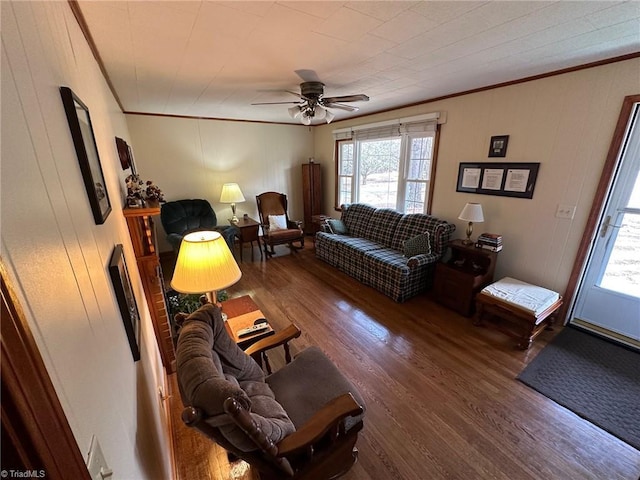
386, 172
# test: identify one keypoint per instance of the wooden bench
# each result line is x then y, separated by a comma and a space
518, 309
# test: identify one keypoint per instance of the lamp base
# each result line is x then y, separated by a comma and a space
469, 231
234, 219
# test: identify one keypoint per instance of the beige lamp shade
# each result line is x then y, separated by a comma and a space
472, 212
231, 193
205, 264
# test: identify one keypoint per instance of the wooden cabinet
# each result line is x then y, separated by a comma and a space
465, 273
311, 195
143, 236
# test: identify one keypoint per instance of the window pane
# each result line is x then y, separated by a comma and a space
344, 195
346, 159
378, 179
415, 197
420, 158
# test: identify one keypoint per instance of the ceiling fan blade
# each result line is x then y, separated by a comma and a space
347, 98
293, 93
307, 75
276, 103
348, 108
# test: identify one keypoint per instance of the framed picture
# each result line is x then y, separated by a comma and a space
506, 179
85, 145
498, 146
126, 300
123, 153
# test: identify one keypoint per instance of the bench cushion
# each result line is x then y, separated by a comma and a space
528, 297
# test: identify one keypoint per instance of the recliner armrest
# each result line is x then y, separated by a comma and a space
325, 419
279, 338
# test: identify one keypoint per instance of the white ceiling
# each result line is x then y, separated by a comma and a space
214, 58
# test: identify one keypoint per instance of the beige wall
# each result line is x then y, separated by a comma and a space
193, 158
55, 253
565, 122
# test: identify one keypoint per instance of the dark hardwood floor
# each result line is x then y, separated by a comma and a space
441, 395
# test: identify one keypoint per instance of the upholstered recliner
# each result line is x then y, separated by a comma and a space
277, 228
185, 216
299, 422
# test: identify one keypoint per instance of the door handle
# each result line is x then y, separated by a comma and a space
606, 224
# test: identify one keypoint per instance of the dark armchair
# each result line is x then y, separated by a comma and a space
301, 422
185, 216
274, 204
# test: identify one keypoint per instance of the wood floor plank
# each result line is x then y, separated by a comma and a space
442, 396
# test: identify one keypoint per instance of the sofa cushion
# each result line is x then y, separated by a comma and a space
337, 226
382, 225
356, 217
347, 243
413, 224
417, 245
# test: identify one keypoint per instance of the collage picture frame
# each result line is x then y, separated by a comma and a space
507, 179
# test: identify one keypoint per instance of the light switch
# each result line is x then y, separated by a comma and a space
96, 464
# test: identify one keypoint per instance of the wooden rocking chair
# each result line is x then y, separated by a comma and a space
275, 204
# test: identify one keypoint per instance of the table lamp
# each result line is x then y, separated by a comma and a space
205, 264
232, 194
472, 212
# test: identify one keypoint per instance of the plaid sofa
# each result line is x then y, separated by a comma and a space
373, 250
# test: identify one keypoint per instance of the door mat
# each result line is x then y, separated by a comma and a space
595, 378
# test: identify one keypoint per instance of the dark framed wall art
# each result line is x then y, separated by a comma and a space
506, 179
498, 146
125, 154
87, 152
126, 300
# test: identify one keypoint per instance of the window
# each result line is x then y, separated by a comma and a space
388, 166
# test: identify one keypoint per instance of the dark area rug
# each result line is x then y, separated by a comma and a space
596, 379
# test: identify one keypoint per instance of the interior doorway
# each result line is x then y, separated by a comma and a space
608, 294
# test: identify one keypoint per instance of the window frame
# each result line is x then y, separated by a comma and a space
402, 185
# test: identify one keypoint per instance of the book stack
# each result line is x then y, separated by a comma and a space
490, 241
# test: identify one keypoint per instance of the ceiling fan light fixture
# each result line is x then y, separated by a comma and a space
312, 103
329, 116
295, 112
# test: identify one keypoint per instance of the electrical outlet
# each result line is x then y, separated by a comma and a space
566, 211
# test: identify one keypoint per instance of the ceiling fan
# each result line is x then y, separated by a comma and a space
312, 103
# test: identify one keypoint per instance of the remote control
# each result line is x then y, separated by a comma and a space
244, 332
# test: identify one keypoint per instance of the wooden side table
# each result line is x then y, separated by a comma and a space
468, 271
242, 312
247, 232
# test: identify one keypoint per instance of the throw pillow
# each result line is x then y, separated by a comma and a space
417, 245
337, 226
277, 222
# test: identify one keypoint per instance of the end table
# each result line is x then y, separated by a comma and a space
247, 232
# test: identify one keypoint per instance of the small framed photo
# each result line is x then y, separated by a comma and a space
87, 152
126, 300
498, 146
